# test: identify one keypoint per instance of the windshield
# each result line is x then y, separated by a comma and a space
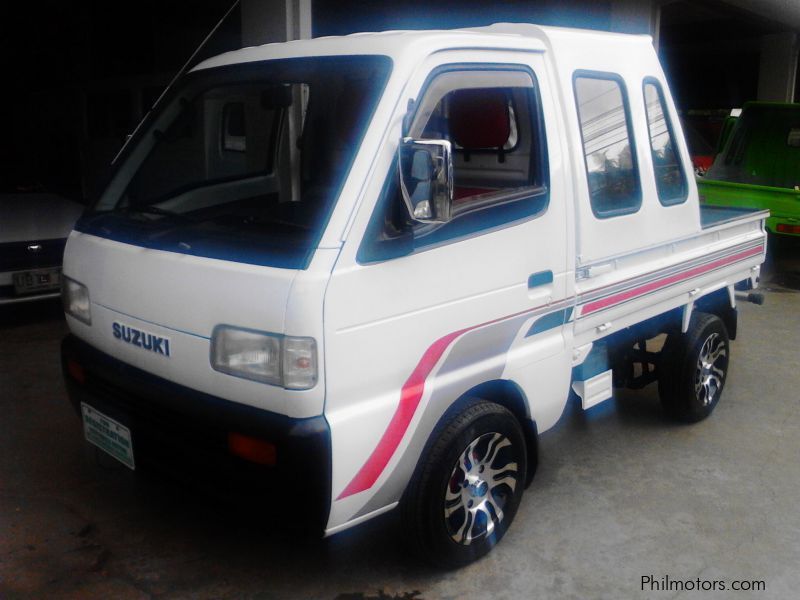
245, 162
764, 148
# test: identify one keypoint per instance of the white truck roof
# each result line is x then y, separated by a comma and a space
407, 45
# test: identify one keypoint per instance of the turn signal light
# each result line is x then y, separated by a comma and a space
783, 228
252, 449
76, 371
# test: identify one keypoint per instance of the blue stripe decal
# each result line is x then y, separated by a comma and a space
119, 312
550, 321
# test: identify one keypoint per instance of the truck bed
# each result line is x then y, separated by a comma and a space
623, 290
711, 215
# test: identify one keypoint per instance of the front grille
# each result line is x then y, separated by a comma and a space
155, 417
17, 256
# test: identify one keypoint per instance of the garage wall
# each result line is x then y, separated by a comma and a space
340, 17
778, 67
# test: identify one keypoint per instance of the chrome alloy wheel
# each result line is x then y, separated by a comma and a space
710, 372
483, 479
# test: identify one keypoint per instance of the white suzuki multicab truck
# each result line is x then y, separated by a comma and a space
366, 272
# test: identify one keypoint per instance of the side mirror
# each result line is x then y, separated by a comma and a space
426, 179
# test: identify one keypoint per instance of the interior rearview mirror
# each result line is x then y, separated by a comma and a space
276, 96
426, 179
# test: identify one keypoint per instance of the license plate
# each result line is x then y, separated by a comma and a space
38, 280
107, 434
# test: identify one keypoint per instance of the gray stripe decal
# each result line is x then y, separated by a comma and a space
615, 288
473, 347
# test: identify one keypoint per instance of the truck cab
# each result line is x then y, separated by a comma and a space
376, 267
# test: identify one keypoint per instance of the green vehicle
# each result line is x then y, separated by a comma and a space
759, 166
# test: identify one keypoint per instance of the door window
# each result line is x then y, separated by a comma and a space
492, 117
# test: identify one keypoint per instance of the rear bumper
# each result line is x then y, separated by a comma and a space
26, 256
788, 226
184, 433
7, 296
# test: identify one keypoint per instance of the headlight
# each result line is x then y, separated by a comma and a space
75, 297
287, 361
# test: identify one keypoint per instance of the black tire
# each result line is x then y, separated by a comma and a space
690, 388
478, 430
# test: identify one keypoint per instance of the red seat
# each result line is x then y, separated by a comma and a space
460, 192
479, 118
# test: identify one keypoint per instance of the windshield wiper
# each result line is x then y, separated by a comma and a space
154, 210
280, 222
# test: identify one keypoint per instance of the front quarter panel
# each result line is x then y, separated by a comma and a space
182, 298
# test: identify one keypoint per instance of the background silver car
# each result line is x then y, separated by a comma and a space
33, 231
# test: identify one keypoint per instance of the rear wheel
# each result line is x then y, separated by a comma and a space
467, 489
693, 368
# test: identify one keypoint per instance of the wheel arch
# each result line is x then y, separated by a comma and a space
677, 384
719, 303
509, 395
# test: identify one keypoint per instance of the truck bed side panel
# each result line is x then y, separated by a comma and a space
627, 289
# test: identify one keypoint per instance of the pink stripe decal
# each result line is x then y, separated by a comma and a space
660, 283
410, 396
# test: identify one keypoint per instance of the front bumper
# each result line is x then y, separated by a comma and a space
184, 433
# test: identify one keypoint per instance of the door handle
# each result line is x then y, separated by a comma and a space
540, 278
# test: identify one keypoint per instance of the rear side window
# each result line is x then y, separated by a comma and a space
670, 178
607, 144
763, 148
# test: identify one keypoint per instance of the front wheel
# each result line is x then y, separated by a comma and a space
468, 485
693, 368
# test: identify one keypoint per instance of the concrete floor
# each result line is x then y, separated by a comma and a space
620, 494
